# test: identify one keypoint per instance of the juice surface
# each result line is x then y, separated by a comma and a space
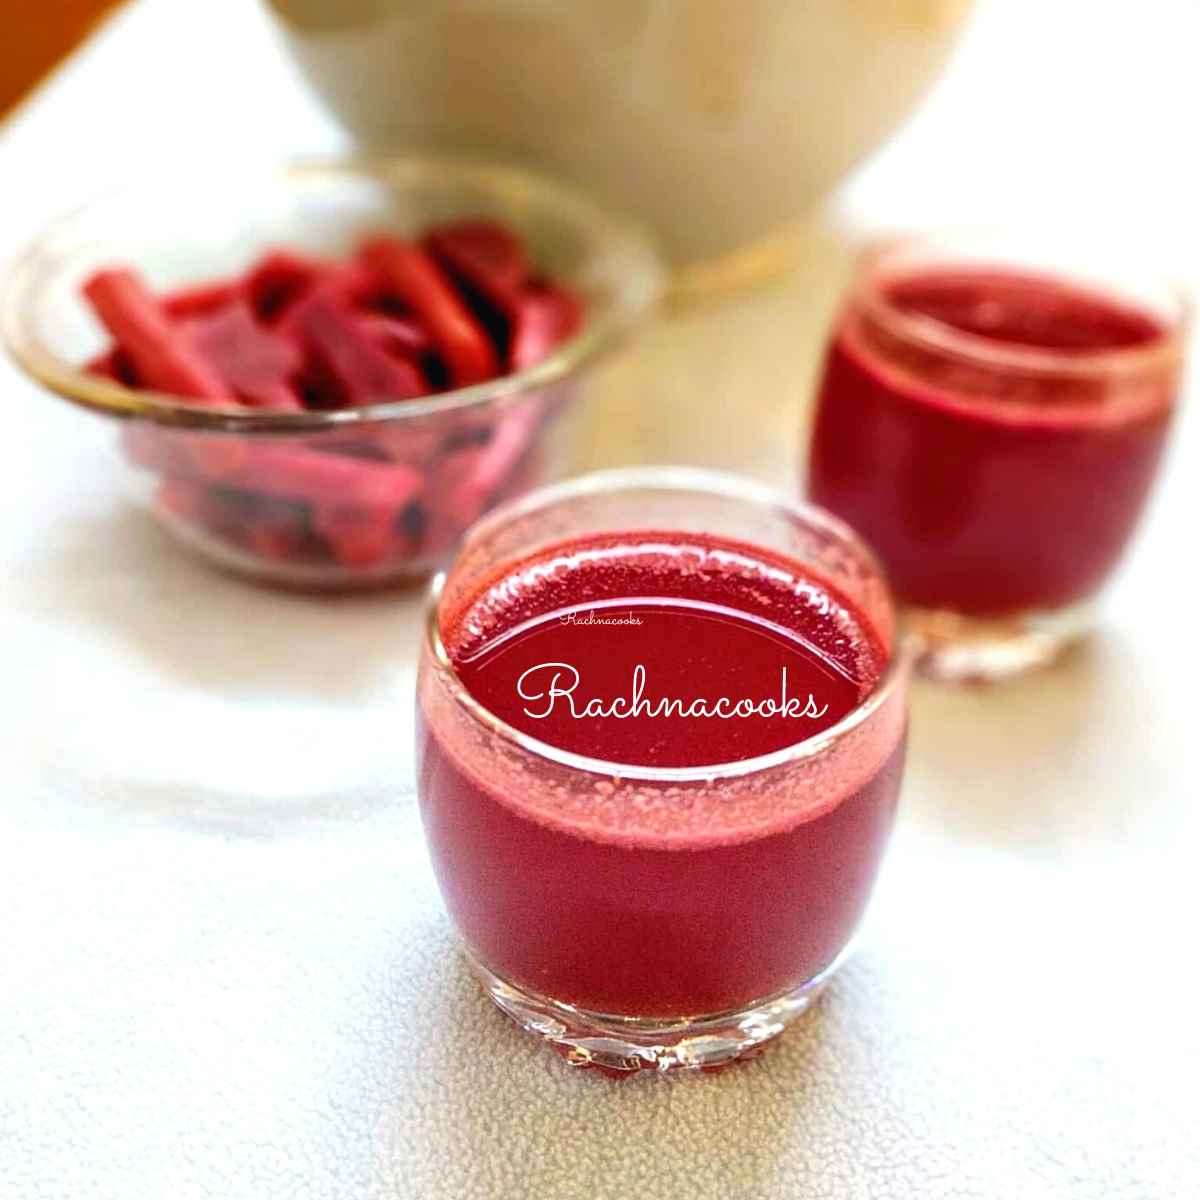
991, 493
725, 656
1025, 310
747, 897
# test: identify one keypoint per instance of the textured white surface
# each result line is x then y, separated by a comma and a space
224, 970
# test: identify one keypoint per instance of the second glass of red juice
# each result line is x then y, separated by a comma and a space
661, 725
991, 418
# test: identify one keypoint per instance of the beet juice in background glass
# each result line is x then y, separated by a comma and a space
991, 418
661, 721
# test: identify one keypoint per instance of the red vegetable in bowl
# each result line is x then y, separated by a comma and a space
485, 258
541, 319
159, 351
420, 282
350, 357
277, 281
200, 300
255, 362
396, 321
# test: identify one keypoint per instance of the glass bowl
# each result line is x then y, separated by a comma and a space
330, 525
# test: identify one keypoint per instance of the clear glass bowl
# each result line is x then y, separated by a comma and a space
509, 433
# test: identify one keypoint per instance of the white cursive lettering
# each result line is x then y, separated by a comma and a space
560, 681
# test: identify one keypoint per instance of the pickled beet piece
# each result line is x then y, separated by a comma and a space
344, 285
255, 362
484, 255
201, 298
542, 320
113, 364
359, 367
161, 353
420, 283
277, 281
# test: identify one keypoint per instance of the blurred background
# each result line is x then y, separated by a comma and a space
801, 131
225, 967
27, 57
1043, 104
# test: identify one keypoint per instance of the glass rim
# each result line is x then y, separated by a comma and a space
605, 327
932, 334
680, 479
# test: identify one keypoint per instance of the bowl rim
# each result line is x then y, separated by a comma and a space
640, 288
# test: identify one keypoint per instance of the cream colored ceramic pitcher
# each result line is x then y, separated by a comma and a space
717, 122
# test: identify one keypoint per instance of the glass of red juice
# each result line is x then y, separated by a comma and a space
661, 724
991, 418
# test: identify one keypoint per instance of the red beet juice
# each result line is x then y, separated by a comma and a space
992, 433
649, 889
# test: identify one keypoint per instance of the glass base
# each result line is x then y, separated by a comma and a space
621, 1045
954, 648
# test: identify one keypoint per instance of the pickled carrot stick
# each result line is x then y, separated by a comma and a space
485, 256
161, 355
199, 299
160, 352
289, 472
420, 282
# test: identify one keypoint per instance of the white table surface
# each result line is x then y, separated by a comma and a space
224, 968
